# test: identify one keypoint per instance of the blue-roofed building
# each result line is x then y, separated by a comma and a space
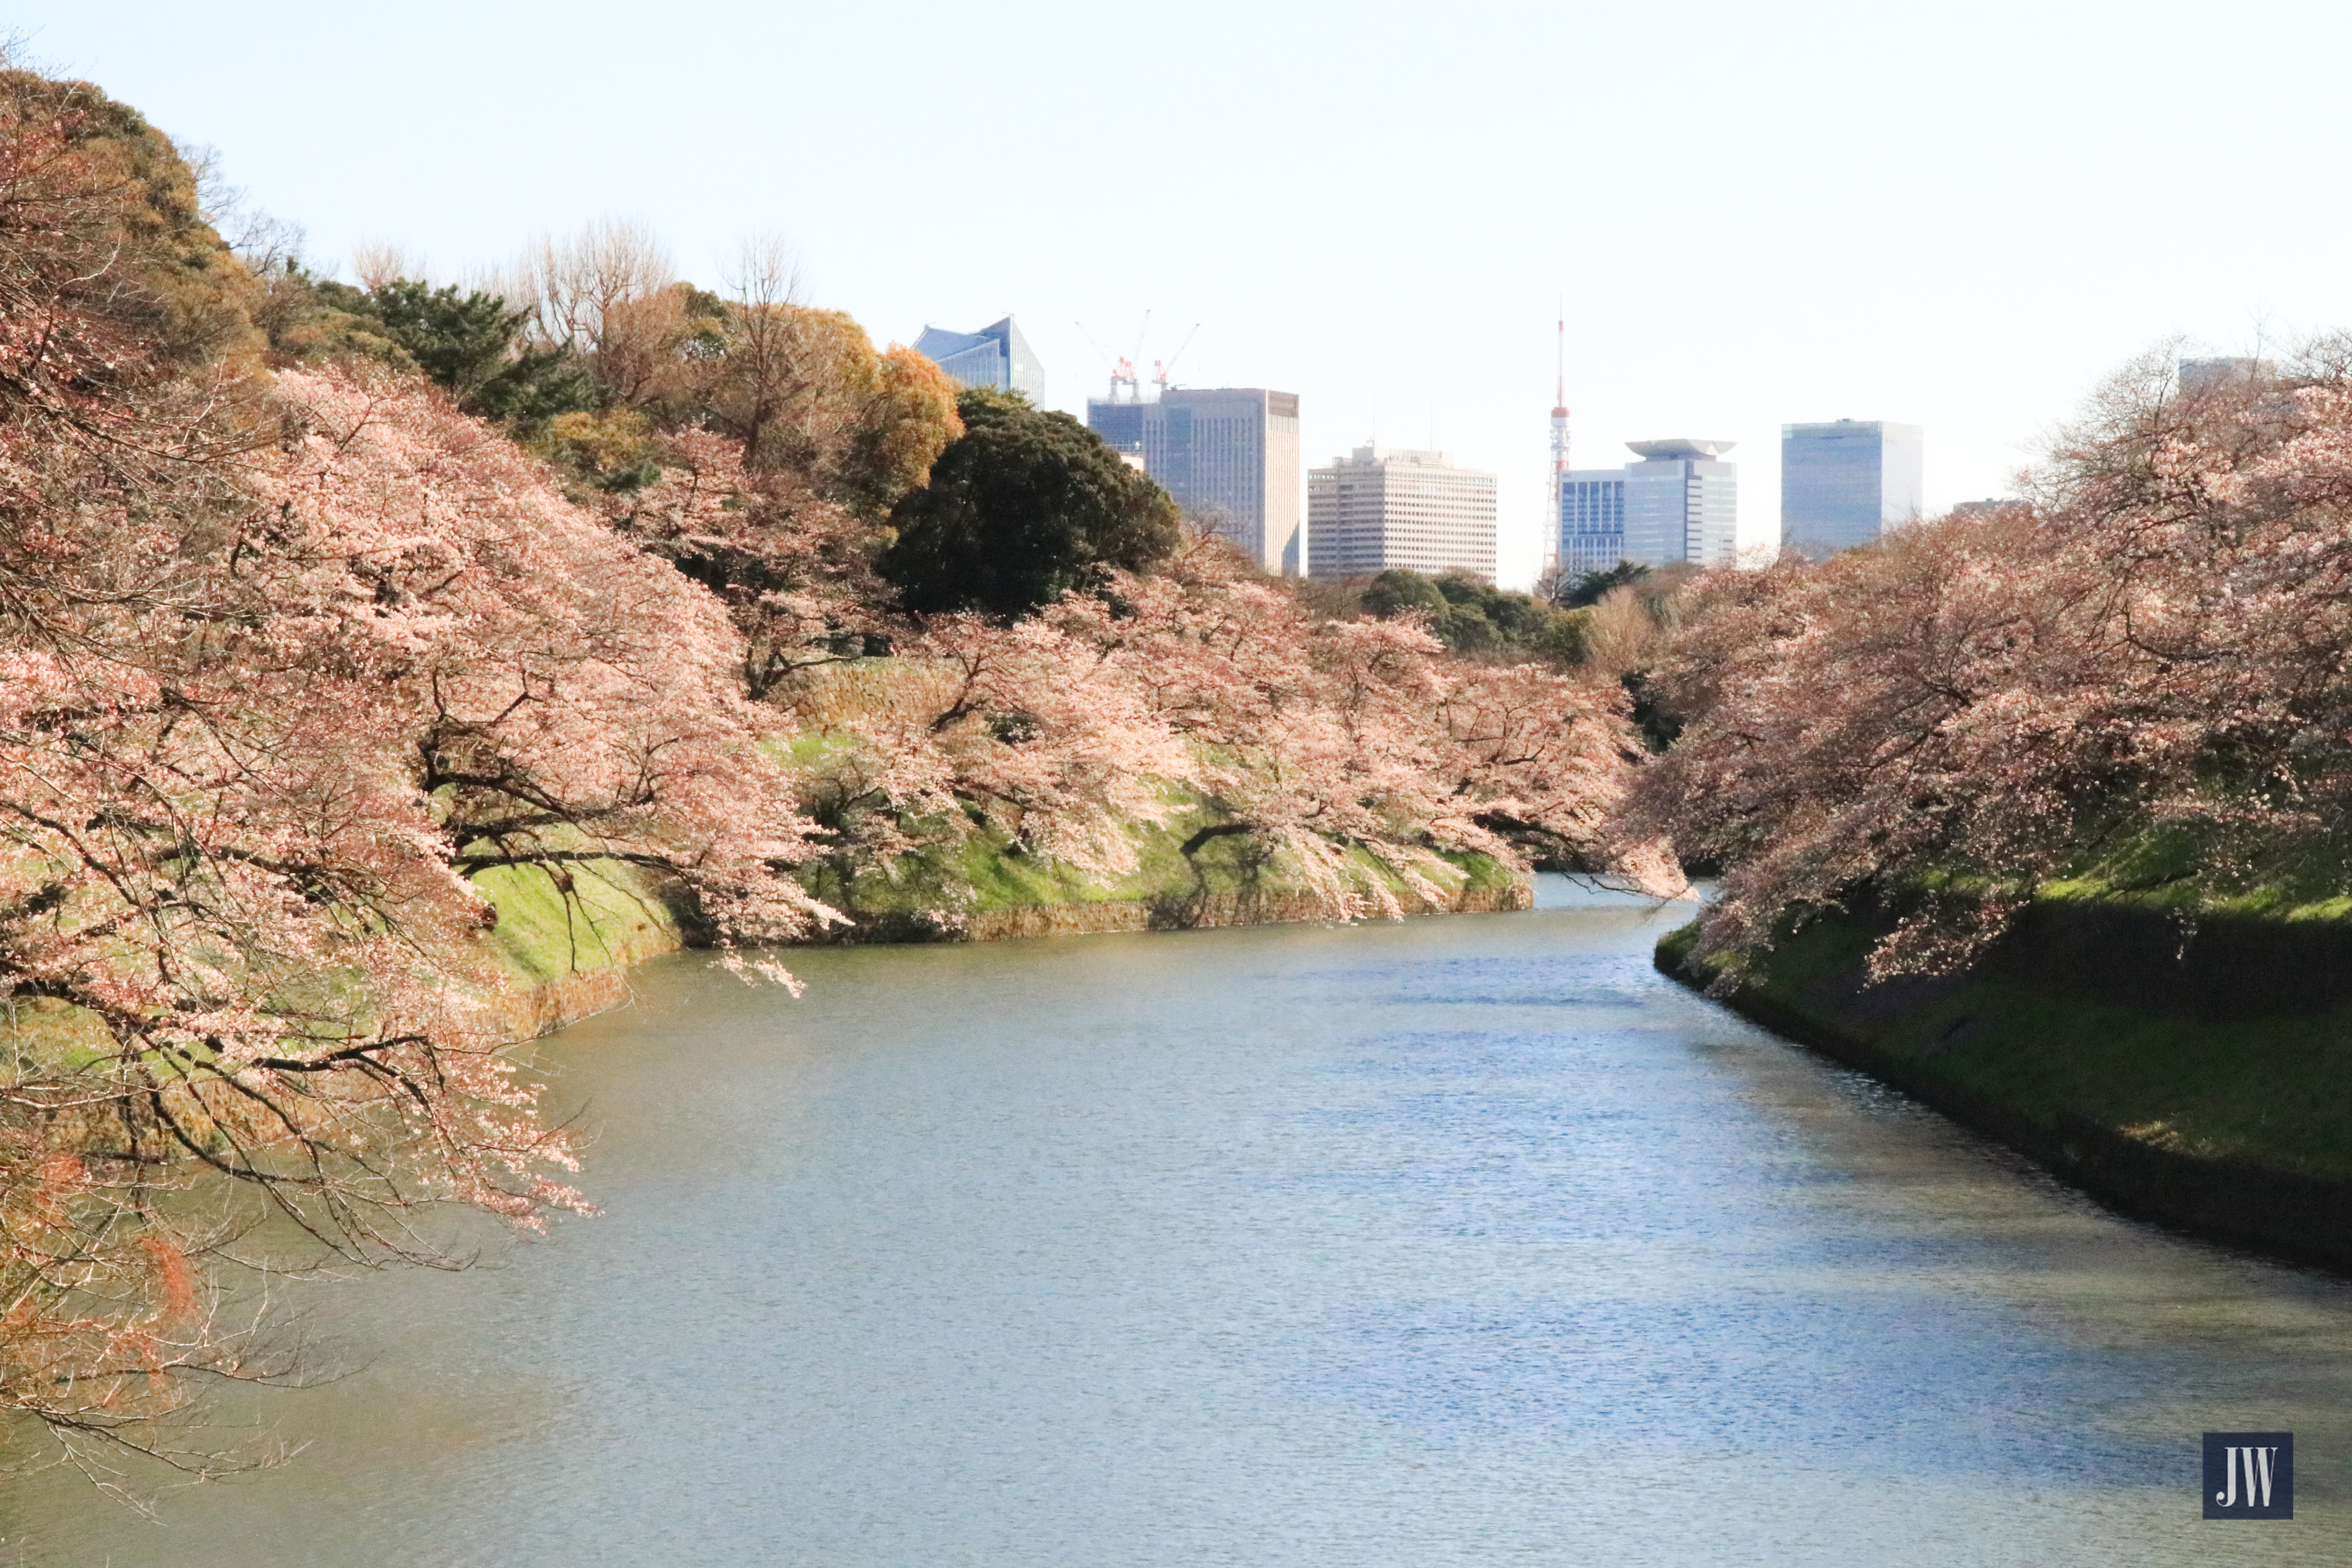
997, 355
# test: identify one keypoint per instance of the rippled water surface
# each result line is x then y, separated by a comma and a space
1467, 1241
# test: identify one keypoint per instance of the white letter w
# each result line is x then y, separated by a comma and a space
2265, 1457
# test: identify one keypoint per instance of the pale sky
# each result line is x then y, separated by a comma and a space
1958, 215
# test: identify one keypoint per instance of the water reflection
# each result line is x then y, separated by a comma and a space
1465, 1241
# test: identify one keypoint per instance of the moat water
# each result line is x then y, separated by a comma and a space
1463, 1241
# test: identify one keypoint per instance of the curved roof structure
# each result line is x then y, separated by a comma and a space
1681, 446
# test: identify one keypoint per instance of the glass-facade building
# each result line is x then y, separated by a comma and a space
1843, 483
1682, 503
997, 355
1227, 456
1382, 507
1592, 520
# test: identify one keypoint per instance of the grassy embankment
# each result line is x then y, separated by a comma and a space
2181, 1051
986, 890
565, 958
1195, 869
561, 963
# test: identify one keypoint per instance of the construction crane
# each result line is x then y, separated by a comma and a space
1134, 358
1126, 386
1122, 371
1160, 368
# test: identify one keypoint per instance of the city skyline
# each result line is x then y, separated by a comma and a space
1863, 280
1225, 456
1842, 482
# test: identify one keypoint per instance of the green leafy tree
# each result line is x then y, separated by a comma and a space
311, 318
1022, 507
1396, 591
1472, 617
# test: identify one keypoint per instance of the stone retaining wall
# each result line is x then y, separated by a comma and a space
2289, 1213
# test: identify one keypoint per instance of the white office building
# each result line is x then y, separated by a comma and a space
1387, 507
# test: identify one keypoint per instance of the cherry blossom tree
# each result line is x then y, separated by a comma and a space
291, 651
281, 665
1206, 687
235, 834
1321, 736
791, 566
2152, 641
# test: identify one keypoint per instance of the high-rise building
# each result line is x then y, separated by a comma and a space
1591, 535
1382, 507
1842, 484
1682, 503
997, 355
1228, 456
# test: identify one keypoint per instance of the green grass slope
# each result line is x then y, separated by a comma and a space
613, 919
943, 890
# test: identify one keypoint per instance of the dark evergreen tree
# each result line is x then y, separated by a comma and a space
1396, 590
1022, 507
472, 343
1589, 588
1472, 617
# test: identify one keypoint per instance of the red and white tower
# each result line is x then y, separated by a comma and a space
1558, 487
